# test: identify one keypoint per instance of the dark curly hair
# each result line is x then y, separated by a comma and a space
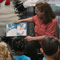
18, 44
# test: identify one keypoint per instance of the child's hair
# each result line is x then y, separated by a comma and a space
18, 44
50, 45
5, 52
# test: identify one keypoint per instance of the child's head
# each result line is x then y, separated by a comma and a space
18, 44
49, 46
5, 52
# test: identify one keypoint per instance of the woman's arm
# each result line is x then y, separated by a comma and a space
30, 38
24, 20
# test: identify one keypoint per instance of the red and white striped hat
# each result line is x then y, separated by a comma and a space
6, 3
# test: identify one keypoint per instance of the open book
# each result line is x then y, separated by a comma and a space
19, 29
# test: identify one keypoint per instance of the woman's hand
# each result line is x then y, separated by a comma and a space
18, 21
24, 20
29, 38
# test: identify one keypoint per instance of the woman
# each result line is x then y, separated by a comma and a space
45, 21
45, 24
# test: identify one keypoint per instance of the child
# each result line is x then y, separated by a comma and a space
49, 48
18, 46
5, 52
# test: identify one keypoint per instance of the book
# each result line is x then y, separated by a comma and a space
19, 29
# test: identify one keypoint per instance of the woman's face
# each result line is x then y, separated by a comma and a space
38, 13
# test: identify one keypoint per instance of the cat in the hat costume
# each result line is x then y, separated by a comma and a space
7, 14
